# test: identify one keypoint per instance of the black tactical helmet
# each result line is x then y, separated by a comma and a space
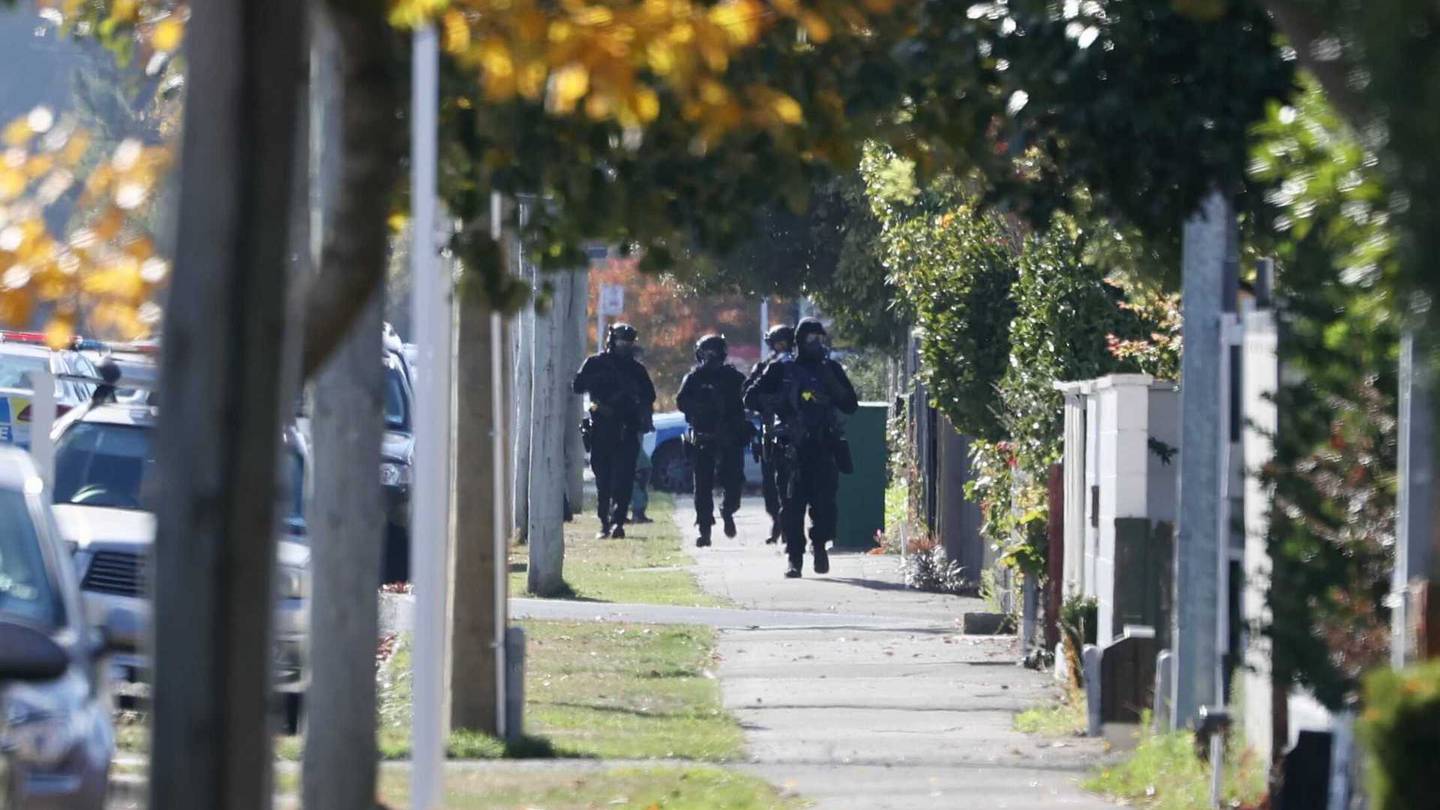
711, 348
620, 332
810, 338
781, 333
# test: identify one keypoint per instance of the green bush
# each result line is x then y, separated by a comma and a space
1401, 729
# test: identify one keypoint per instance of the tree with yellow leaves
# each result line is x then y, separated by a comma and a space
104, 267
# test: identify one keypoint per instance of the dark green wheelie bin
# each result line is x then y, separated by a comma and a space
861, 497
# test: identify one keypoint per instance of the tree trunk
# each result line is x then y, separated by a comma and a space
353, 263
347, 534
346, 518
547, 448
578, 319
217, 445
478, 622
523, 395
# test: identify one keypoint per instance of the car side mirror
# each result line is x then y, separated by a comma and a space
28, 654
121, 632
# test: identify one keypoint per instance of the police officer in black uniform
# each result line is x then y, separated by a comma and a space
710, 398
813, 391
622, 403
781, 340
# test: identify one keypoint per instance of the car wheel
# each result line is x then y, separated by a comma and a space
670, 469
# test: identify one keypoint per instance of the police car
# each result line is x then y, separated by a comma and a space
23, 355
669, 466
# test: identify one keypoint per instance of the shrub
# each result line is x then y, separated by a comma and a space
928, 568
1400, 727
1078, 617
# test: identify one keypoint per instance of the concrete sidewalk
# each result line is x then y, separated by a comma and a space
893, 710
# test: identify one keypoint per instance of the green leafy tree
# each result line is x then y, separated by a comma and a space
1333, 525
955, 266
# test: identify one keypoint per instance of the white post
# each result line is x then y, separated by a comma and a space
42, 417
764, 322
429, 508
524, 388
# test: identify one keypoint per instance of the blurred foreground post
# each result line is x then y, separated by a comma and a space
430, 512
219, 435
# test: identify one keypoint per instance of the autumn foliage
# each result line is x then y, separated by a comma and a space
670, 319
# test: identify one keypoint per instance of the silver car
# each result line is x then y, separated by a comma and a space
103, 461
56, 738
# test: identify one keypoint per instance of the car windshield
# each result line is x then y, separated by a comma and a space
397, 400
26, 591
102, 465
18, 371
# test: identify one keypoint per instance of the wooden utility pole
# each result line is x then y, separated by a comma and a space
218, 442
477, 662
547, 447
1198, 595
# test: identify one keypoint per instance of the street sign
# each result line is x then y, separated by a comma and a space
612, 299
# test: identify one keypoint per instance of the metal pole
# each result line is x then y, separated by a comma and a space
1197, 594
499, 407
429, 517
764, 322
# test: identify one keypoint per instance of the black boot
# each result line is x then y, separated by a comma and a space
618, 533
604, 533
704, 539
774, 532
729, 520
797, 561
822, 559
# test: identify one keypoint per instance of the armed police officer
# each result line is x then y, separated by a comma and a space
813, 391
622, 402
781, 340
710, 398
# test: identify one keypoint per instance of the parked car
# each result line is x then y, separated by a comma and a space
56, 736
669, 464
396, 466
20, 362
103, 461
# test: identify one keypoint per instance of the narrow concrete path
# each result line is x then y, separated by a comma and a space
893, 708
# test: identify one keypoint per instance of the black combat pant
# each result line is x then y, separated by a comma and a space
811, 485
613, 462
717, 462
770, 478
